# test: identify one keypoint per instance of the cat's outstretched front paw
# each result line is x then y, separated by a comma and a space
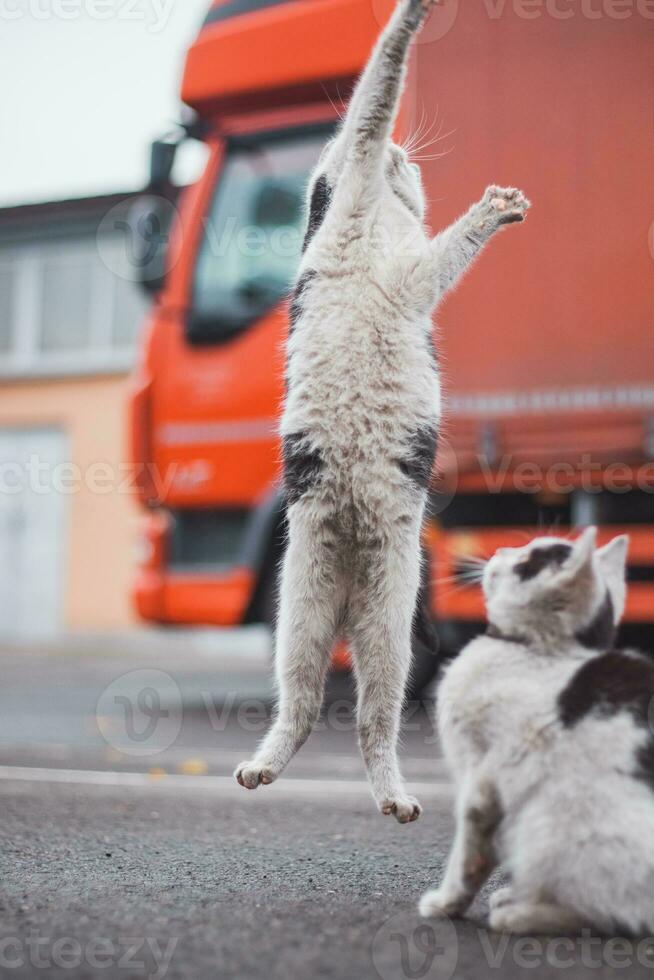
405, 809
503, 206
251, 774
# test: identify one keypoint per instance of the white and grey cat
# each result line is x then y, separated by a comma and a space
547, 732
361, 417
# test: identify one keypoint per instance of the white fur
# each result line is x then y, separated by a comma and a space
362, 381
559, 808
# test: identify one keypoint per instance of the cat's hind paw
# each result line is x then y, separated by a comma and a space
252, 774
405, 809
500, 897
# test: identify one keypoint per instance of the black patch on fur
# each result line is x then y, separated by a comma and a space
321, 198
420, 463
601, 633
302, 466
607, 685
295, 310
540, 558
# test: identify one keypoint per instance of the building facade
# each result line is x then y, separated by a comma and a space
70, 311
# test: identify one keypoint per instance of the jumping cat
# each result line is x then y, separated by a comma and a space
548, 734
361, 418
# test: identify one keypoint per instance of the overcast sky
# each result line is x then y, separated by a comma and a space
86, 84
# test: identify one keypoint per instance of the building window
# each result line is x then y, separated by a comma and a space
66, 298
66, 307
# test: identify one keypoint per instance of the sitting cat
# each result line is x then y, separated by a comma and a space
361, 419
547, 733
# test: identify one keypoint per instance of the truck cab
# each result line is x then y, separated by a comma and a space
547, 356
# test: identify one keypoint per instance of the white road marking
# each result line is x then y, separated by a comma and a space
318, 764
288, 787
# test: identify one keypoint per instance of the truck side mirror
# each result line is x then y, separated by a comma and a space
150, 218
149, 221
162, 159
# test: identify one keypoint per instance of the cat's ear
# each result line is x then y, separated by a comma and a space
579, 566
612, 560
583, 549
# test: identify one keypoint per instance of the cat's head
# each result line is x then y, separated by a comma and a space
405, 180
403, 177
558, 588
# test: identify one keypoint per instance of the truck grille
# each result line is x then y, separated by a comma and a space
203, 539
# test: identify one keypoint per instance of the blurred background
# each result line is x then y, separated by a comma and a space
92, 86
151, 221
152, 181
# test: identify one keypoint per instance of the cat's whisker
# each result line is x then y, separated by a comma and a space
434, 156
339, 112
422, 136
473, 559
437, 138
411, 136
454, 590
418, 134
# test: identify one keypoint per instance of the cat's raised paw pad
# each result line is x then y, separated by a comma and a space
405, 809
509, 203
250, 775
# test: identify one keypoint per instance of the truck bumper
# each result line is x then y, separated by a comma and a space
212, 600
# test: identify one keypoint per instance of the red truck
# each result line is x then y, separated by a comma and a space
547, 349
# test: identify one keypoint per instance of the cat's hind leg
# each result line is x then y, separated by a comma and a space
529, 917
311, 601
381, 616
501, 896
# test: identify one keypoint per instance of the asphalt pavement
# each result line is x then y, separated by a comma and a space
127, 850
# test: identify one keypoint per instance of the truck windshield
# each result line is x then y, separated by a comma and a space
253, 234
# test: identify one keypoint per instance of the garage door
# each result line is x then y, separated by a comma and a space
32, 531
